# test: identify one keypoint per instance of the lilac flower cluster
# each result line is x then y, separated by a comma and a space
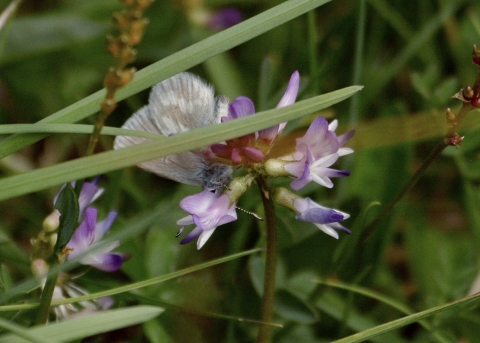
312, 159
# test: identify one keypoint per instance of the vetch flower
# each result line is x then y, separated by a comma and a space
224, 18
90, 232
267, 136
315, 152
326, 219
207, 211
253, 147
65, 288
89, 193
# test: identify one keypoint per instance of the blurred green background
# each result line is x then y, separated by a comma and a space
411, 56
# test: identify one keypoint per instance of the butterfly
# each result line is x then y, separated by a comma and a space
181, 103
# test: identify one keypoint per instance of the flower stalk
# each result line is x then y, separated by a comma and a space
131, 27
470, 98
268, 298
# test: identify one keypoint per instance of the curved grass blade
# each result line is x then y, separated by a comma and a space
172, 65
111, 160
401, 322
90, 325
382, 298
136, 285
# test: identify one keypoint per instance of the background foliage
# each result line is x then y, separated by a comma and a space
413, 57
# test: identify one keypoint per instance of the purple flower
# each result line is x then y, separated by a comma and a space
207, 211
224, 18
315, 152
89, 193
326, 219
253, 147
90, 232
288, 98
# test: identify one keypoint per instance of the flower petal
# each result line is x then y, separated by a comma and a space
108, 262
241, 107
195, 233
203, 238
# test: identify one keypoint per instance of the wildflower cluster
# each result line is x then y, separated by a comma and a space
85, 238
314, 154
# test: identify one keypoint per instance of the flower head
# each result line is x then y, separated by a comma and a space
326, 219
315, 152
253, 147
90, 232
207, 211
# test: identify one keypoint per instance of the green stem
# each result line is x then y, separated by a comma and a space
92, 143
270, 262
444, 142
47, 293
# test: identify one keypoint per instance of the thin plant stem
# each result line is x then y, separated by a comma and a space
270, 262
444, 142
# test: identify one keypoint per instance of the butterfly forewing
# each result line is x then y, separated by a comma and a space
181, 103
182, 94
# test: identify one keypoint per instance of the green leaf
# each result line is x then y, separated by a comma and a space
136, 285
67, 205
402, 322
23, 332
86, 326
5, 278
112, 160
173, 64
291, 307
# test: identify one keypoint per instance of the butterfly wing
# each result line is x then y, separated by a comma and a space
181, 103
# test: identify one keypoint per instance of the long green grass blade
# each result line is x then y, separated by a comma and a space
24, 333
135, 285
90, 325
112, 160
399, 323
384, 299
73, 128
172, 65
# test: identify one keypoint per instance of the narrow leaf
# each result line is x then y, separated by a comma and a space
90, 325
112, 160
173, 64
399, 323
67, 205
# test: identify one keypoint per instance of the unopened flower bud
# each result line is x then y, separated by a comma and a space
455, 140
476, 55
285, 198
451, 116
468, 93
238, 186
276, 167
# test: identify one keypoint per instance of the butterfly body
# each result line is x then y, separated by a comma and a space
181, 103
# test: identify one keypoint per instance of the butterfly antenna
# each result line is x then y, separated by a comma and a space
251, 213
180, 231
